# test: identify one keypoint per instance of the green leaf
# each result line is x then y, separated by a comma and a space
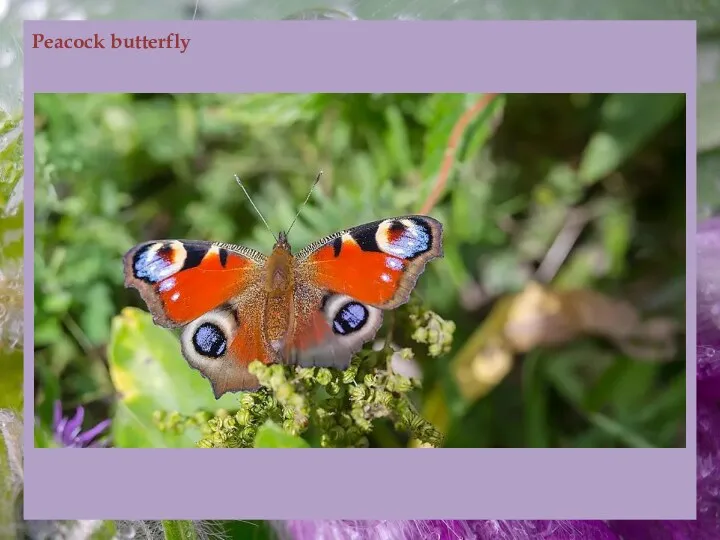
616, 227
11, 234
628, 121
482, 128
666, 407
398, 139
179, 530
255, 110
11, 159
632, 390
104, 530
11, 380
601, 392
43, 437
270, 435
562, 374
99, 311
150, 374
444, 110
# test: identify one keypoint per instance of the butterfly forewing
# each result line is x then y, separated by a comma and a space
180, 280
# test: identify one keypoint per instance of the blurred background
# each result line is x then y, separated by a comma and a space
564, 238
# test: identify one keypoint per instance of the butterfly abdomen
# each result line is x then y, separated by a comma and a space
279, 284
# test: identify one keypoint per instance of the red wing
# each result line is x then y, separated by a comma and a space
377, 263
180, 280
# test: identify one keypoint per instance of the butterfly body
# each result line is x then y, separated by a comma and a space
279, 276
316, 307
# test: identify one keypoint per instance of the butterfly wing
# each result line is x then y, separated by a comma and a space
212, 291
349, 278
377, 263
327, 330
181, 280
222, 343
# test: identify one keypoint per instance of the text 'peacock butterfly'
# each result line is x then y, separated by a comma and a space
314, 308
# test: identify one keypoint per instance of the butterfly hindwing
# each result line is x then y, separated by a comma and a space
223, 342
181, 280
377, 263
326, 332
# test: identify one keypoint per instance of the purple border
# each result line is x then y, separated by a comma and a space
378, 56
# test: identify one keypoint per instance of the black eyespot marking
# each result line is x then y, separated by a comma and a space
138, 264
234, 311
209, 340
365, 237
195, 255
223, 257
337, 246
351, 318
325, 299
408, 241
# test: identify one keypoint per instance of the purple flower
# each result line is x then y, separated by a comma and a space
450, 530
708, 311
705, 527
67, 431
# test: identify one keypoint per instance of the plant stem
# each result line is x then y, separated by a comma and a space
449, 159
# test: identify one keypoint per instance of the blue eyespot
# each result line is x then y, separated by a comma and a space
409, 242
209, 340
153, 266
351, 318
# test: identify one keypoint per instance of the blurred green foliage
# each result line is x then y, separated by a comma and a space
11, 292
167, 530
116, 169
708, 141
708, 121
11, 246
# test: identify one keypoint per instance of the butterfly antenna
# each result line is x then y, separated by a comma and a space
237, 178
317, 179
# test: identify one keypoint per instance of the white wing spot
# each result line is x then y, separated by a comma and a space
393, 263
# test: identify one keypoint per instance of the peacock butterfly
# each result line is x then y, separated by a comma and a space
313, 308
